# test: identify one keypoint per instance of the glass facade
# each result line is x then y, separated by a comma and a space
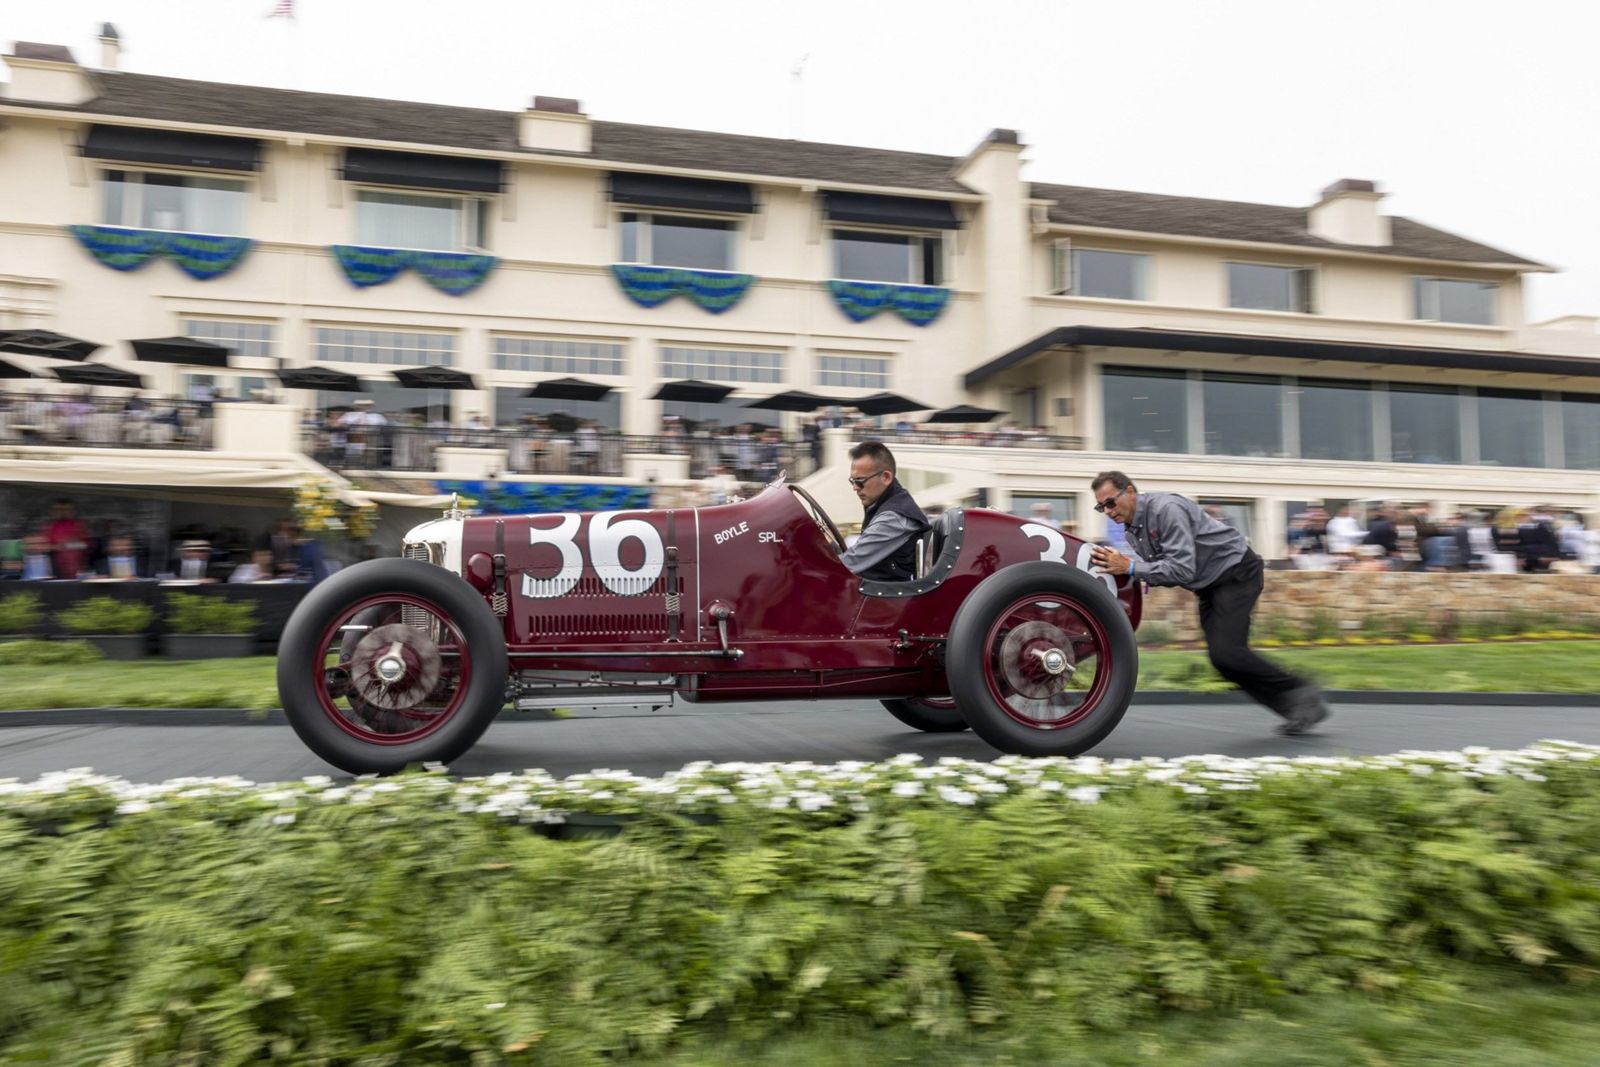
1510, 428
398, 347
1243, 414
548, 355
1424, 424
1580, 431
1260, 287
1335, 418
245, 338
722, 364
1146, 410
1451, 300
853, 372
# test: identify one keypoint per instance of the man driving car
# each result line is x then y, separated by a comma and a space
886, 550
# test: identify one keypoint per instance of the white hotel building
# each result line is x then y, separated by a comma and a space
1254, 355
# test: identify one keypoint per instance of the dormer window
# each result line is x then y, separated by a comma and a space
677, 241
1265, 287
1453, 300
182, 203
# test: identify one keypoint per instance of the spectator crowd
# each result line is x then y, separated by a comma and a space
1532, 540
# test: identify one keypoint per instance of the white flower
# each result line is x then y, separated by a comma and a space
1085, 794
907, 789
285, 819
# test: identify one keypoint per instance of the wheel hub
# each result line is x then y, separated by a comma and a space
1036, 660
394, 667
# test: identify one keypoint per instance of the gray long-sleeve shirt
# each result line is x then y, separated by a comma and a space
1179, 544
883, 536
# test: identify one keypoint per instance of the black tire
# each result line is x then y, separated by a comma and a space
929, 715
984, 676
302, 687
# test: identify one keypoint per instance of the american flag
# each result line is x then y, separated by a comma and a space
282, 9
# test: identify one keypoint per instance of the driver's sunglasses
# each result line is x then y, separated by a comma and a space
1108, 501
864, 479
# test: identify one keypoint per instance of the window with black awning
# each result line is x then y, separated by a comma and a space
418, 170
172, 148
682, 194
908, 212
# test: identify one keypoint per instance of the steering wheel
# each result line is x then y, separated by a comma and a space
819, 517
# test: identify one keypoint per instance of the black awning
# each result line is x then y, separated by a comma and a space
1287, 348
171, 148
418, 170
909, 211
687, 194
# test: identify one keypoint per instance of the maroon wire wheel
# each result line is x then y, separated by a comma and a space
1042, 660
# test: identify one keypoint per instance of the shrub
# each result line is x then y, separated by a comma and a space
21, 613
1155, 633
106, 615
1374, 626
193, 613
1322, 624
1281, 628
33, 653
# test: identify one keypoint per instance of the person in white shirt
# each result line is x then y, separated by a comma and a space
1344, 533
259, 569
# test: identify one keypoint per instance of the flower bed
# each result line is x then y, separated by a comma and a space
427, 919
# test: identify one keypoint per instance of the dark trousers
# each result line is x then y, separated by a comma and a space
1225, 609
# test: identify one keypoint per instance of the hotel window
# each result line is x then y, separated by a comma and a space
1335, 418
1424, 424
543, 355
905, 258
1450, 300
1262, 287
1580, 431
1107, 275
183, 203
1146, 410
677, 241
434, 222
722, 364
1243, 414
853, 372
1510, 428
338, 344
257, 339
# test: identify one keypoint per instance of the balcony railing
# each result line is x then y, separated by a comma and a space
72, 421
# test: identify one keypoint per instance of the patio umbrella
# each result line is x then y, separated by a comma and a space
335, 381
795, 400
560, 421
181, 350
46, 343
965, 413
886, 404
568, 389
434, 378
98, 374
11, 370
693, 391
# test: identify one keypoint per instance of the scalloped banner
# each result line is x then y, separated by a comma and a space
455, 273
714, 290
917, 304
199, 255
540, 498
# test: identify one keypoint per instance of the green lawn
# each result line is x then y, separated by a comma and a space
1515, 1024
1543, 666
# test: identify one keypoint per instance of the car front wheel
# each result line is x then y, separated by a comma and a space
1042, 660
934, 715
389, 663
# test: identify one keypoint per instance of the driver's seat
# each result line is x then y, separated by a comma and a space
930, 544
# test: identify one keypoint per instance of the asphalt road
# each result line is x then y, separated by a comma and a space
822, 732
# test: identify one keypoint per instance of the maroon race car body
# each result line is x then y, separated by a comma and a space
1005, 630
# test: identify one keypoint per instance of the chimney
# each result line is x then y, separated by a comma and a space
110, 47
554, 124
46, 74
1348, 214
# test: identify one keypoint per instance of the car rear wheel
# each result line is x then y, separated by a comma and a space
390, 663
1042, 660
934, 715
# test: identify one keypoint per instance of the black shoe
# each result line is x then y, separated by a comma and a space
1304, 709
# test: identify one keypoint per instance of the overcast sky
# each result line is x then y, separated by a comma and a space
1478, 116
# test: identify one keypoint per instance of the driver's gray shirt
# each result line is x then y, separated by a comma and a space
882, 536
1179, 544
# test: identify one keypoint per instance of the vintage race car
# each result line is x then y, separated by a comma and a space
1006, 630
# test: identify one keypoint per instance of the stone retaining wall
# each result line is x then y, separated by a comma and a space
1351, 597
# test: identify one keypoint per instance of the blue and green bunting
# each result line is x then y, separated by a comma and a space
917, 304
538, 498
455, 273
201, 256
714, 290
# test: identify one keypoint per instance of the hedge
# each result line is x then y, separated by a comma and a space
425, 919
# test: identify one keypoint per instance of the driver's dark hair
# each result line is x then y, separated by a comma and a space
876, 451
1114, 478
